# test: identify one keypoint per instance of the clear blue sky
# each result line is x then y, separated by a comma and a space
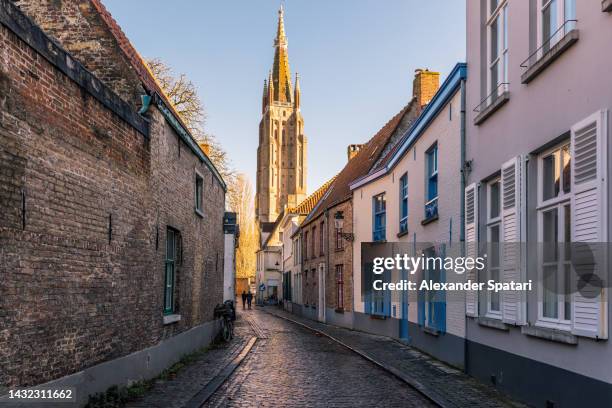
356, 60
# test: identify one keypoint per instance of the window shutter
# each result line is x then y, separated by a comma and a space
513, 213
471, 244
589, 220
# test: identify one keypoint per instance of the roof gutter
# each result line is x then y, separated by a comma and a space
187, 138
446, 91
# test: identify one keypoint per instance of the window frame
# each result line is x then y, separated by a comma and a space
379, 232
559, 203
429, 175
494, 222
171, 260
556, 34
339, 239
500, 16
403, 196
322, 239
340, 286
199, 195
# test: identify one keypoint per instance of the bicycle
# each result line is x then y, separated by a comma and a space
227, 313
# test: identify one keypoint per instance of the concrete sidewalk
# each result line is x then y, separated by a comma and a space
444, 385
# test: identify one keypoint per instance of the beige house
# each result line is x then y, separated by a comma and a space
414, 197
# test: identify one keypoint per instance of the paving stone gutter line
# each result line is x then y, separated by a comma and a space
410, 380
213, 385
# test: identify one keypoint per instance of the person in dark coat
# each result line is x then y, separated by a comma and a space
244, 297
249, 298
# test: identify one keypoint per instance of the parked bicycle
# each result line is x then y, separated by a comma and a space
227, 313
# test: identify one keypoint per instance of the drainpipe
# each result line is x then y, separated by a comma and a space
326, 237
146, 102
463, 165
462, 206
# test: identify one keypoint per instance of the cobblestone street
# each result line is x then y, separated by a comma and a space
291, 366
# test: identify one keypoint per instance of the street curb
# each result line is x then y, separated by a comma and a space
413, 382
213, 385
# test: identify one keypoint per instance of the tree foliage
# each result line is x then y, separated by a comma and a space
184, 96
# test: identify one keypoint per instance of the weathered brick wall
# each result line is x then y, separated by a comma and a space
342, 257
79, 28
70, 297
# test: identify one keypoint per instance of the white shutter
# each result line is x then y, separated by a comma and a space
589, 220
513, 220
471, 244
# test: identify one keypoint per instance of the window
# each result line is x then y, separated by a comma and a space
339, 287
403, 189
556, 18
497, 29
173, 257
431, 205
339, 243
379, 209
305, 252
313, 253
554, 231
494, 246
322, 239
199, 188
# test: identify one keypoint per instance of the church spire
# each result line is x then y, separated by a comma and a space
281, 75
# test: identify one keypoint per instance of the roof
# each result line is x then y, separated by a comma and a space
302, 208
431, 111
309, 203
149, 81
359, 165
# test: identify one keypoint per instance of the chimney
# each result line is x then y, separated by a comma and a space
425, 85
352, 150
205, 147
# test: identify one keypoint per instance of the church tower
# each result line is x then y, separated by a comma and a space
281, 154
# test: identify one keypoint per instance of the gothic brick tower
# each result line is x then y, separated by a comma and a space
281, 155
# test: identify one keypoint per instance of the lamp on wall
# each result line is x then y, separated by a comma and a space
339, 223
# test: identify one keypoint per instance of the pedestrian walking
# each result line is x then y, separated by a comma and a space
249, 298
244, 297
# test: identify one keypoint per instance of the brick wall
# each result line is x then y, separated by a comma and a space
343, 256
79, 28
73, 295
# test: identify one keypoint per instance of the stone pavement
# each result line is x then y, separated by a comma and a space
194, 377
291, 366
443, 384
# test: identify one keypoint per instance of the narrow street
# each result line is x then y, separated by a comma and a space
292, 366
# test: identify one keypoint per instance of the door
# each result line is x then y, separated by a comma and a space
321, 308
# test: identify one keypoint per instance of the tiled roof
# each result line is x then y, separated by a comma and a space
303, 208
359, 165
136, 61
311, 201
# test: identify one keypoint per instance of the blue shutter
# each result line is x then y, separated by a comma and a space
386, 309
441, 298
421, 307
367, 298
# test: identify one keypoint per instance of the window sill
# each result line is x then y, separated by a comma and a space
606, 5
431, 331
430, 220
339, 249
555, 52
492, 323
556, 335
401, 234
171, 318
199, 213
492, 108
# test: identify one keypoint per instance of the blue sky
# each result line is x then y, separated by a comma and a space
356, 60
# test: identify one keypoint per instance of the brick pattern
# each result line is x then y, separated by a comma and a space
73, 294
342, 257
